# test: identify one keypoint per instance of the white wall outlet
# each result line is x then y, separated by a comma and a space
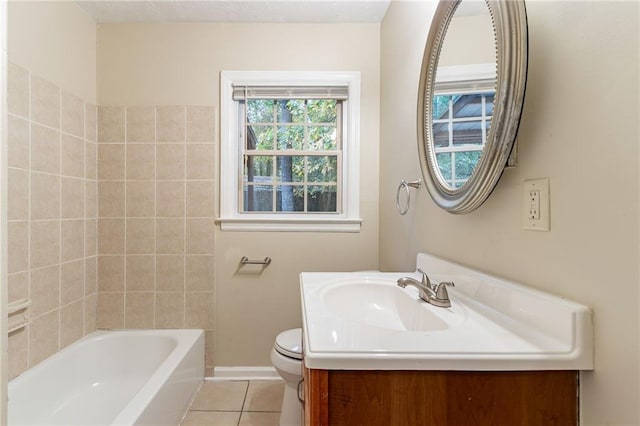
535, 194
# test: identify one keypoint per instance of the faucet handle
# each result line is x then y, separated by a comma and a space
441, 290
425, 279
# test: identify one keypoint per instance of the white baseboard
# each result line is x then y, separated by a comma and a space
244, 373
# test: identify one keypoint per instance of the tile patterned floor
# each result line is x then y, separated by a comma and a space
236, 403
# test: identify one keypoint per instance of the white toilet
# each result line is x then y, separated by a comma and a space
286, 357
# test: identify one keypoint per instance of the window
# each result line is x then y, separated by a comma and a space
462, 112
290, 151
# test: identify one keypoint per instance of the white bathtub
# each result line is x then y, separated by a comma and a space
137, 377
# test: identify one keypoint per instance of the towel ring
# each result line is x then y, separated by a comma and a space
405, 185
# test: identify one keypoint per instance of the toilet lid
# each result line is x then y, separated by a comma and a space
289, 343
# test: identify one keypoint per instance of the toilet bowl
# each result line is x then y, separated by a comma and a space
286, 357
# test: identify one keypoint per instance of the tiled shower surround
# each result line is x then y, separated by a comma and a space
156, 218
52, 211
111, 217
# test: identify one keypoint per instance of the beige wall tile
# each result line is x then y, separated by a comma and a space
72, 115
45, 149
91, 122
44, 290
170, 161
200, 236
45, 196
111, 236
200, 161
140, 273
90, 275
43, 337
111, 161
209, 339
111, 199
199, 310
141, 199
72, 198
71, 323
170, 236
91, 160
45, 243
71, 281
45, 102
91, 203
110, 273
139, 310
17, 247
140, 236
18, 352
169, 310
170, 198
17, 194
200, 124
111, 124
141, 123
90, 313
170, 273
18, 286
73, 156
141, 161
17, 90
72, 239
200, 199
199, 272
17, 142
110, 313
170, 124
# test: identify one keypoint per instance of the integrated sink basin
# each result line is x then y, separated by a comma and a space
376, 303
365, 321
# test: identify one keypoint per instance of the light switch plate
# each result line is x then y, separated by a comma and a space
535, 211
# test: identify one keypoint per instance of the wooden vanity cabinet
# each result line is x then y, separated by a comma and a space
440, 398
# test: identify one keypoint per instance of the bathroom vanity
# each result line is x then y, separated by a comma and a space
502, 354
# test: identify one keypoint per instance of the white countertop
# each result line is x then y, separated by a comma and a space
492, 324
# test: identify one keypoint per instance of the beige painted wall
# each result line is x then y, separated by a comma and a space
55, 40
580, 129
178, 64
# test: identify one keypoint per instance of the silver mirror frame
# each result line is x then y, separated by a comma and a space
509, 19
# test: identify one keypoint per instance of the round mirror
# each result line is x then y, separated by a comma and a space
470, 98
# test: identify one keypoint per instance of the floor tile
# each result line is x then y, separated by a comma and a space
259, 419
264, 396
221, 396
211, 418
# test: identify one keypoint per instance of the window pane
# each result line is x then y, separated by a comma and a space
290, 137
258, 198
467, 133
444, 164
440, 107
322, 169
260, 110
322, 138
258, 168
321, 111
465, 163
290, 198
467, 106
489, 102
441, 134
290, 111
259, 137
321, 199
290, 168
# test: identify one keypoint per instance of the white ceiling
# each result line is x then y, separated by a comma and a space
111, 11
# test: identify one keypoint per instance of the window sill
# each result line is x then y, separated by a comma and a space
289, 225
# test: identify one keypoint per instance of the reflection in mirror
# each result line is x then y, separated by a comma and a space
464, 92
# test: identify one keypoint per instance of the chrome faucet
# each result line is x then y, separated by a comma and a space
436, 294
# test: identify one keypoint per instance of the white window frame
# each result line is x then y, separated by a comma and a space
231, 219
